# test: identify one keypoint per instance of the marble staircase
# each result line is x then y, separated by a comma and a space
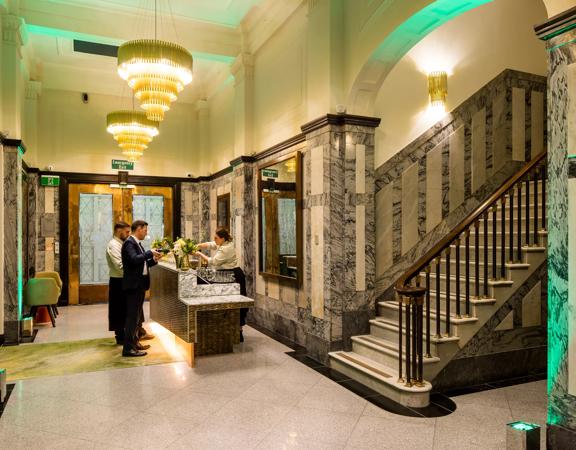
374, 358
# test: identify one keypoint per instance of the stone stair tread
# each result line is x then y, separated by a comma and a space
382, 345
491, 282
378, 371
453, 319
384, 322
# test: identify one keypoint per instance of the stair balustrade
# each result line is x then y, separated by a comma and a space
416, 321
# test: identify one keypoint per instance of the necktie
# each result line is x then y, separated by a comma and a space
145, 262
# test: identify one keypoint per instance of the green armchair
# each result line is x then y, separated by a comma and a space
42, 292
56, 277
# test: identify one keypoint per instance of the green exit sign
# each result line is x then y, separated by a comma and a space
49, 180
120, 164
269, 173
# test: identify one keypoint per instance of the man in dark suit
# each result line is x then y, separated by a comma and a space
136, 281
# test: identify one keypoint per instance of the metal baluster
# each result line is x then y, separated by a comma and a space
447, 292
420, 306
536, 236
438, 262
543, 198
519, 237
467, 256
494, 243
486, 255
503, 240
428, 353
477, 258
414, 339
527, 221
511, 239
408, 345
458, 278
400, 343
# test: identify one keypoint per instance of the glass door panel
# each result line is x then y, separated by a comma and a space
150, 208
95, 229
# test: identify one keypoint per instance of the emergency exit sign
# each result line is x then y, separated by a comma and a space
269, 173
120, 164
49, 180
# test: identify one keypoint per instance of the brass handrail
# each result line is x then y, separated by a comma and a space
435, 251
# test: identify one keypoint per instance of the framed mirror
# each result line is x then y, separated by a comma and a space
223, 211
280, 218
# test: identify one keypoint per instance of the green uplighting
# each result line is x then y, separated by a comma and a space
523, 426
20, 267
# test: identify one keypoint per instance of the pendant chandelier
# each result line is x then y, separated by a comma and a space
156, 71
133, 131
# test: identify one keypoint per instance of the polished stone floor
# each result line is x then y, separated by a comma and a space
258, 397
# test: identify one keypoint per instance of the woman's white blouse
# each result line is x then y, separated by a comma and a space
225, 257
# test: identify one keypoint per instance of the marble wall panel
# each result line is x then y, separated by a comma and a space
434, 187
478, 149
532, 307
537, 113
518, 124
456, 156
499, 132
409, 208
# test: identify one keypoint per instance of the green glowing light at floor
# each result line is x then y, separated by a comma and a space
20, 255
523, 426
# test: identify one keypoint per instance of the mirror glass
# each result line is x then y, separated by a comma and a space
280, 218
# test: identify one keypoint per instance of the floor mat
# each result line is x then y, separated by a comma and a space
62, 358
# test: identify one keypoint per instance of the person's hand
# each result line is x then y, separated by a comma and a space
156, 255
199, 254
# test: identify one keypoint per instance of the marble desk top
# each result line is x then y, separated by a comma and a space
205, 302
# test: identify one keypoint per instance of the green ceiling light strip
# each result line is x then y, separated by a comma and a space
410, 32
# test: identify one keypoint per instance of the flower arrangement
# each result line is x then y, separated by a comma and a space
164, 245
185, 246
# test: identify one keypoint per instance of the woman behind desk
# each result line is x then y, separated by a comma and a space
225, 259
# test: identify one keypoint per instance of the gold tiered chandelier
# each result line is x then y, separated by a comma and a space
133, 131
155, 70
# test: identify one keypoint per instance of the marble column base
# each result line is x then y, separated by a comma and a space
11, 332
560, 438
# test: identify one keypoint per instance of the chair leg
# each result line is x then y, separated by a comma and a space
52, 318
32, 312
56, 310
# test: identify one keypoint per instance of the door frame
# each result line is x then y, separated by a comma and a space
67, 178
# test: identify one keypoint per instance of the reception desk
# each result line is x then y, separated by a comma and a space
204, 318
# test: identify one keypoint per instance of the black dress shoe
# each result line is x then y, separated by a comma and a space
134, 353
146, 337
139, 346
119, 342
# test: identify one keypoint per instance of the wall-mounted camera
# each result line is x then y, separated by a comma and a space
84, 97
189, 175
50, 168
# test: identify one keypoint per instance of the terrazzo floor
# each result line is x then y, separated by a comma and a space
258, 397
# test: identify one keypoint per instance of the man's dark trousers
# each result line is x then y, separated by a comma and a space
134, 302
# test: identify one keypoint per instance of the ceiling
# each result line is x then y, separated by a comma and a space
209, 29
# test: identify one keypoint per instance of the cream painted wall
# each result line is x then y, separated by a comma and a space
221, 128
72, 136
555, 7
279, 83
491, 38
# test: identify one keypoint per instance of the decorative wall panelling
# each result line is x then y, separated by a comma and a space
434, 182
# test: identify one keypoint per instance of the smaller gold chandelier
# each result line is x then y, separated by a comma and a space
133, 132
156, 71
438, 88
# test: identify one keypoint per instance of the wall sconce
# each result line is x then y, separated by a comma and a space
438, 89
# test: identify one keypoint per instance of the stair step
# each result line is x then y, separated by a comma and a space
388, 329
393, 307
389, 348
381, 378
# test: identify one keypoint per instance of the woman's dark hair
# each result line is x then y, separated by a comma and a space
223, 234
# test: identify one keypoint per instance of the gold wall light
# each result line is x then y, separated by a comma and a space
438, 89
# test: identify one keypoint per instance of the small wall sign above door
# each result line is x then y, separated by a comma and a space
120, 164
269, 173
49, 180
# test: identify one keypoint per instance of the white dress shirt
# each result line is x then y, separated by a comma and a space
225, 257
114, 257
